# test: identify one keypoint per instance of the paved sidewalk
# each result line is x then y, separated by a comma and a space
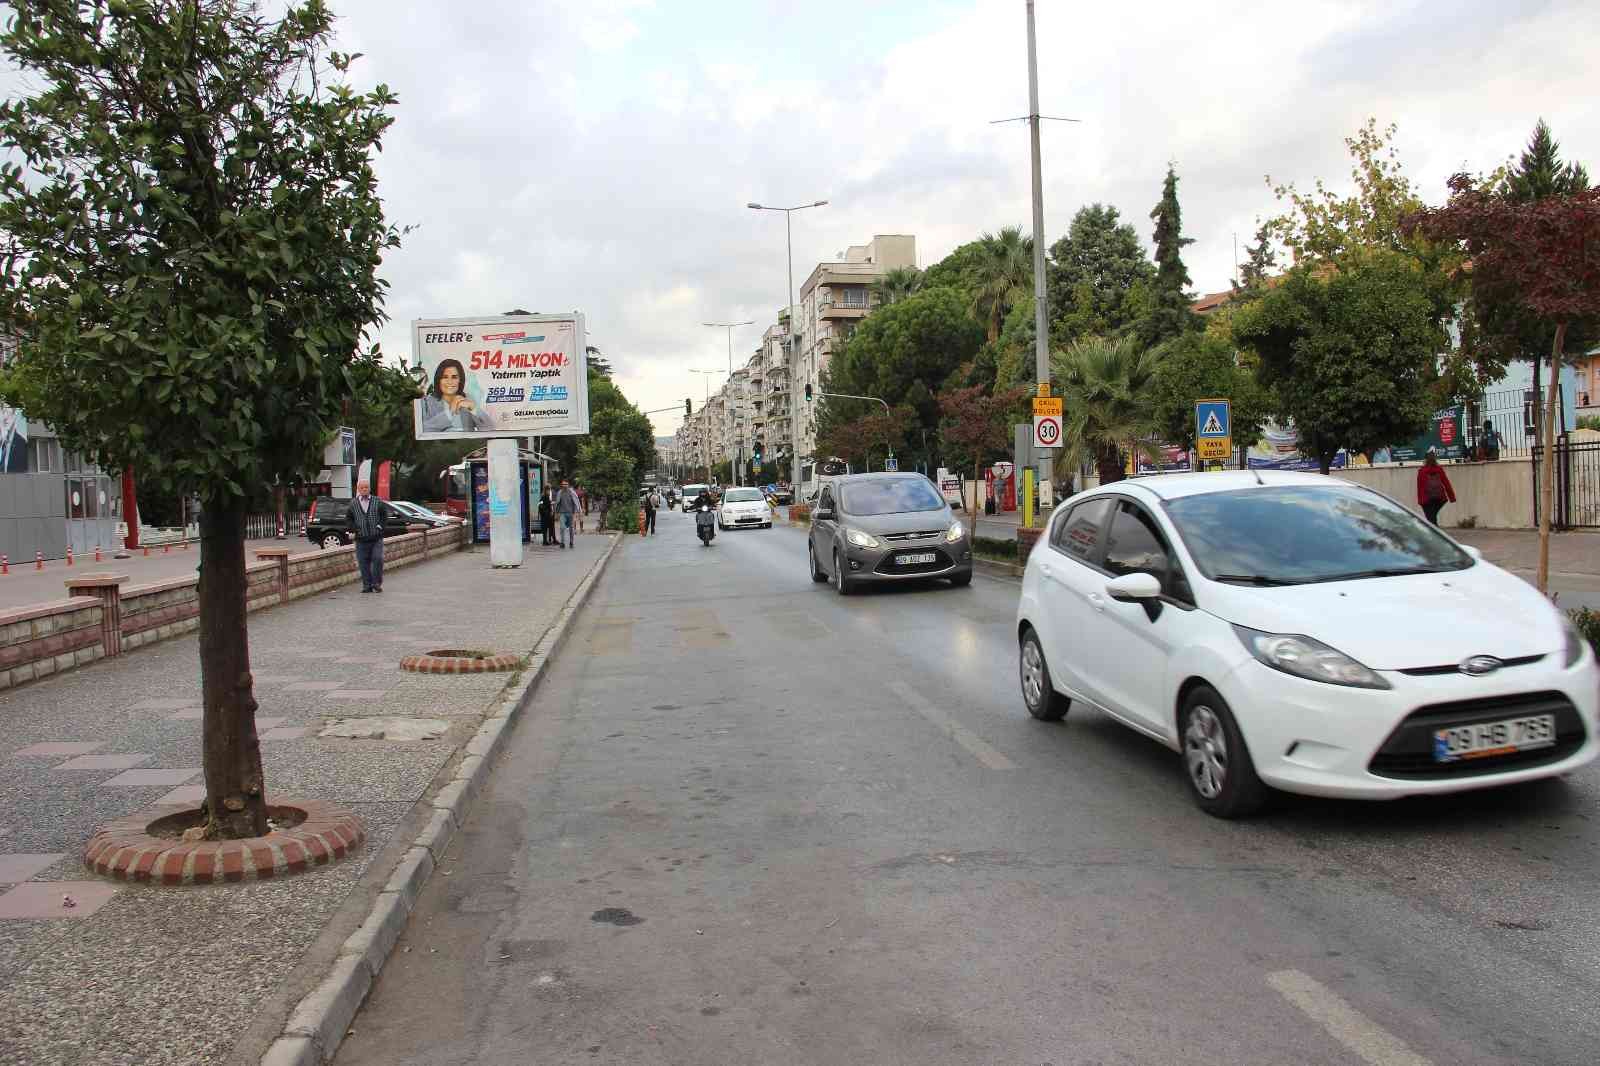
24, 585
198, 975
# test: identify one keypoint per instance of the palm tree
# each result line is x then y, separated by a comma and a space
1106, 399
1003, 275
897, 284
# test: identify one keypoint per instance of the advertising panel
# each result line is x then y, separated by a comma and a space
501, 376
1446, 436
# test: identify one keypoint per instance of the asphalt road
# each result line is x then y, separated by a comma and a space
751, 822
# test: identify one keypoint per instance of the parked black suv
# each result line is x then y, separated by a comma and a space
328, 524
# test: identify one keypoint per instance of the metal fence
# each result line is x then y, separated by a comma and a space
1577, 484
257, 526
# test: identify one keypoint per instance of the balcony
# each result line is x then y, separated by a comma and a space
831, 310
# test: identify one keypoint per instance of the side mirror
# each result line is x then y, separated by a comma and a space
823, 515
1473, 550
1133, 588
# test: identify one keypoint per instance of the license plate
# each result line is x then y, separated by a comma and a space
1483, 739
915, 560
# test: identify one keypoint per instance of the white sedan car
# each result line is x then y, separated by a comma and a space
1297, 632
744, 508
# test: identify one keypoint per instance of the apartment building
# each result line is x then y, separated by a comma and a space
835, 297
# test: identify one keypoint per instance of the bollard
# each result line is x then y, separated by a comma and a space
166, 549
147, 551
5, 564
69, 556
38, 560
97, 553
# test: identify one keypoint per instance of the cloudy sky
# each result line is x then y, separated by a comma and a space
598, 154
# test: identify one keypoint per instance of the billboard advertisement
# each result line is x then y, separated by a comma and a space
501, 376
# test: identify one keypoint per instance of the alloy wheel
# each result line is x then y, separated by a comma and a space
1205, 751
1032, 673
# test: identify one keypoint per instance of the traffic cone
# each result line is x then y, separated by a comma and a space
97, 553
5, 564
69, 556
166, 549
147, 551
38, 560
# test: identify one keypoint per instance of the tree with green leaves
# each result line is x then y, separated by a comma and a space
900, 353
1200, 366
897, 284
1169, 314
1540, 172
1347, 356
956, 270
380, 411
1100, 278
1107, 400
1260, 264
192, 237
1001, 276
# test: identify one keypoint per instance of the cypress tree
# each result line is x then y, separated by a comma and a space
1170, 299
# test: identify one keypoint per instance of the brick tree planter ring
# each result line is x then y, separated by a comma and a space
142, 848
457, 661
1027, 537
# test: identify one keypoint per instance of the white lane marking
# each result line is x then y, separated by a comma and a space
1343, 1022
951, 728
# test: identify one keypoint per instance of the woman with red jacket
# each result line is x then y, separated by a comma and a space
1433, 487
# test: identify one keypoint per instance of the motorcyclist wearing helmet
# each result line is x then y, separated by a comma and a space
703, 500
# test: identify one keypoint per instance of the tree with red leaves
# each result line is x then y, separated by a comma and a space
1541, 256
976, 427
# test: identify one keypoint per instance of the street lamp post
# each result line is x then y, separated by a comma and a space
794, 385
705, 432
730, 327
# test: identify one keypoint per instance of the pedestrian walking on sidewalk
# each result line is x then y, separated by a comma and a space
568, 508
1433, 487
367, 517
583, 505
652, 503
547, 518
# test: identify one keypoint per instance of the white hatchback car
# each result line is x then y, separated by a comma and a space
742, 508
1303, 633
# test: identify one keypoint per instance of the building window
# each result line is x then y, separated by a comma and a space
44, 456
853, 296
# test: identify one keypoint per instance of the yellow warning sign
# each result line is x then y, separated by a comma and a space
1047, 407
1044, 389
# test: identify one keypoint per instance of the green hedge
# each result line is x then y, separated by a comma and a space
1588, 623
622, 517
992, 548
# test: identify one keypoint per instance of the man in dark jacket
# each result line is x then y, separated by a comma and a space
367, 517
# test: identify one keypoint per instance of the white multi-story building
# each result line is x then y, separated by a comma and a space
834, 298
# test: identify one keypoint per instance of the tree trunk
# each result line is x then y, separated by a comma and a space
1547, 490
1325, 461
1108, 464
235, 790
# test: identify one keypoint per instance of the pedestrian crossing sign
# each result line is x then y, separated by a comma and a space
1213, 434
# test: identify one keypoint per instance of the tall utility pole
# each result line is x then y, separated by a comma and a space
794, 378
1041, 308
730, 327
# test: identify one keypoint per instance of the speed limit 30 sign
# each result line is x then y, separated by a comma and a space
1046, 421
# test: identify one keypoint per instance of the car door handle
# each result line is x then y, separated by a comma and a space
1097, 601
1044, 568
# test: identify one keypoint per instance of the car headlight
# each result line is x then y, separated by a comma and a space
955, 533
860, 539
1575, 643
1304, 657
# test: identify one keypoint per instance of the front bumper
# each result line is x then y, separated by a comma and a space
881, 563
1327, 740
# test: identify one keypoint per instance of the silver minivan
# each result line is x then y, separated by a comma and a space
885, 527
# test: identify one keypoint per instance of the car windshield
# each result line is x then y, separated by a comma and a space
693, 490
742, 496
1298, 534
890, 496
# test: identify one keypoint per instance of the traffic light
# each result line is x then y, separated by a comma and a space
688, 408
808, 394
756, 453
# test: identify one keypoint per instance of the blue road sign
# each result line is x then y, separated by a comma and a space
891, 464
1213, 429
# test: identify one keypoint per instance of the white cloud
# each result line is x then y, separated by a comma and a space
599, 153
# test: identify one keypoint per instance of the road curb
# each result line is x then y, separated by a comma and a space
995, 569
319, 1022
